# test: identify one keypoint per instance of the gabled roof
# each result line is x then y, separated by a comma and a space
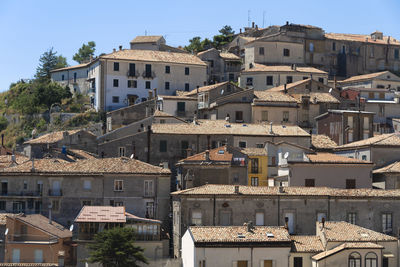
147, 39
219, 154
391, 168
365, 77
330, 158
289, 85
257, 67
54, 137
254, 151
83, 65
268, 96
306, 244
101, 214
347, 245
229, 56
391, 139
42, 223
317, 97
364, 38
155, 56
205, 88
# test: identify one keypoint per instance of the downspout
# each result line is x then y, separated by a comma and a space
148, 143
251, 257
214, 206
279, 211
329, 208
156, 199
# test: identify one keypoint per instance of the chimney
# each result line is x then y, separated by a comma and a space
323, 223
252, 24
120, 47
114, 50
286, 223
236, 189
270, 129
13, 159
150, 95
207, 155
155, 92
250, 227
256, 27
2, 139
240, 31
287, 23
284, 88
281, 189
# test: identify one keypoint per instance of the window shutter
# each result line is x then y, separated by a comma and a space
261, 263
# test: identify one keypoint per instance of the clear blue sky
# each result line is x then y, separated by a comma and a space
28, 28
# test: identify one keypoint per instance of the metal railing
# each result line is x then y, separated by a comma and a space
132, 73
147, 74
55, 192
21, 193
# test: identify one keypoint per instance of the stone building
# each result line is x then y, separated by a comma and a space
153, 42
75, 77
224, 205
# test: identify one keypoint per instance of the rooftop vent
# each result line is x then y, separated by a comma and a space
244, 125
221, 151
236, 189
240, 235
227, 125
270, 235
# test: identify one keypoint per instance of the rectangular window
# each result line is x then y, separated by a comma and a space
333, 46
86, 203
239, 116
132, 84
321, 80
75, 77
285, 116
289, 79
167, 69
264, 115
87, 184
387, 223
351, 217
132, 69
254, 165
25, 185
259, 145
115, 99
147, 71
118, 185
2, 205
55, 205
148, 85
163, 145
249, 81
181, 106
118, 203
381, 110
242, 144
150, 210
396, 54
115, 82
254, 181
166, 85
16, 255
187, 87
298, 262
261, 50
305, 77
260, 218
350, 183
121, 151
186, 70
309, 183
116, 66
148, 188
38, 256
270, 80
286, 52
62, 77
372, 51
196, 218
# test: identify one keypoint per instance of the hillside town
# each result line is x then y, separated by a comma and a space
281, 148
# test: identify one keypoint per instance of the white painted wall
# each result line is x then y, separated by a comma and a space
188, 250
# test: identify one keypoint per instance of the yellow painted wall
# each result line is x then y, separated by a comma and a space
262, 174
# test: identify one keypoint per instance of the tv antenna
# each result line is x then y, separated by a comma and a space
248, 18
264, 18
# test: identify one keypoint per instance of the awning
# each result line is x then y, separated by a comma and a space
388, 255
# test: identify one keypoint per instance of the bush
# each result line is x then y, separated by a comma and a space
3, 123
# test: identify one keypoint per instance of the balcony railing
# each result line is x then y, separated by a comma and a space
21, 193
30, 238
255, 170
55, 192
149, 75
132, 73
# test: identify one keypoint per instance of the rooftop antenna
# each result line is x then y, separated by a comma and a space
145, 32
264, 18
248, 18
71, 228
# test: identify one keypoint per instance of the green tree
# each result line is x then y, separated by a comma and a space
116, 248
49, 61
85, 52
225, 37
194, 45
3, 123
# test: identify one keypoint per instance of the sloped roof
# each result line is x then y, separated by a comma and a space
205, 88
391, 168
53, 137
289, 85
391, 139
268, 96
364, 38
83, 65
101, 214
146, 39
347, 245
155, 56
306, 243
229, 234
6, 160
364, 77
216, 154
317, 97
257, 67
324, 158
254, 151
42, 223
229, 56
321, 141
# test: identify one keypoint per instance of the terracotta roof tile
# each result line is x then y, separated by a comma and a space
391, 139
205, 88
283, 68
321, 141
177, 97
289, 85
83, 65
101, 214
6, 160
324, 157
347, 245
216, 154
254, 151
318, 98
268, 96
306, 243
229, 56
146, 39
229, 190
363, 77
229, 234
360, 38
391, 168
155, 56
52, 137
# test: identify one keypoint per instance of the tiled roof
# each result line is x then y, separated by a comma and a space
229, 190
347, 232
391, 168
146, 39
391, 139
289, 85
323, 157
229, 56
42, 223
268, 96
100, 166
229, 234
360, 38
159, 113
80, 154
155, 56
205, 88
13, 264
306, 243
363, 77
321, 141
318, 97
140, 219
347, 245
254, 151
3, 217
222, 127
101, 214
216, 154
6, 160
177, 97
83, 65
50, 138
282, 68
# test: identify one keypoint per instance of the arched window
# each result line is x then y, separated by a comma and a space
371, 260
354, 260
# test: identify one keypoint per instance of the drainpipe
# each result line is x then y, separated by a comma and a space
214, 206
279, 211
329, 208
148, 143
251, 257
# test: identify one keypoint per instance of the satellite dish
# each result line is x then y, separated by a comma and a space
131, 156
330, 90
71, 228
6, 232
286, 155
222, 91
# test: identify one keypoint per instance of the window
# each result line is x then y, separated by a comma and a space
254, 165
254, 181
16, 255
148, 85
321, 80
118, 185
354, 260
55, 205
25, 185
333, 46
259, 145
351, 217
320, 216
285, 116
196, 218
225, 218
132, 69
115, 82
74, 77
343, 49
244, 264
270, 80
186, 70
387, 223
264, 115
364, 157
298, 262
371, 260
18, 206
2, 205
132, 84
116, 66
181, 106
38, 256
371, 51
311, 47
260, 218
121, 151
163, 145
381, 110
239, 116
118, 203
249, 81
148, 188
87, 184
289, 79
305, 77
261, 50
166, 85
286, 52
381, 95
309, 183
350, 183
115, 99
167, 69
202, 263
149, 209
147, 71
62, 77
242, 144
396, 54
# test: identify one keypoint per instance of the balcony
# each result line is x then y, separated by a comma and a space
21, 193
148, 75
27, 238
255, 170
132, 73
55, 192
